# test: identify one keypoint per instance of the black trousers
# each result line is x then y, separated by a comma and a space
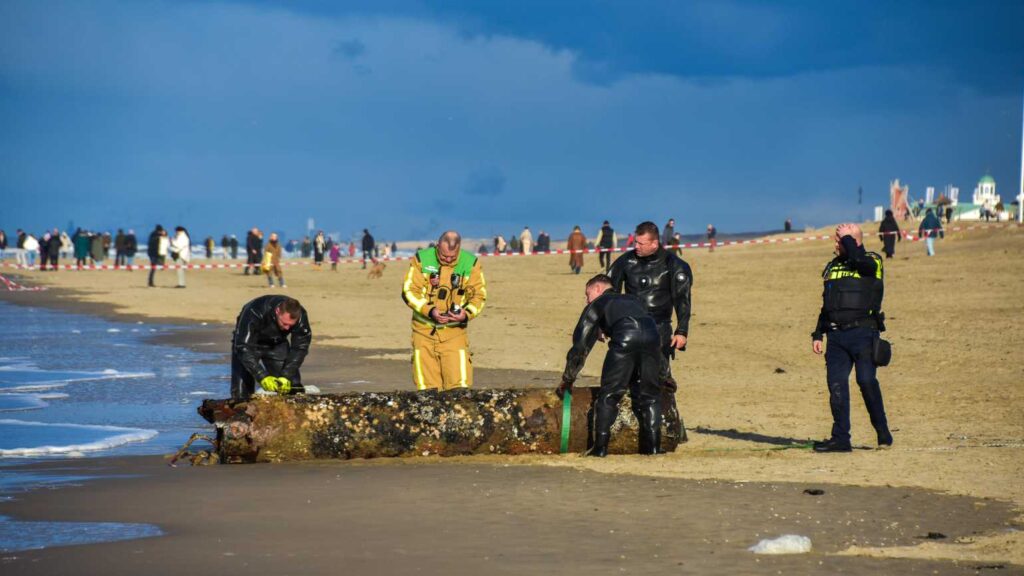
243, 383
158, 261
605, 258
849, 349
252, 264
633, 368
889, 245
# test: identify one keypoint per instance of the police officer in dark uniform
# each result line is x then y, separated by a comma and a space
270, 341
662, 281
634, 363
851, 315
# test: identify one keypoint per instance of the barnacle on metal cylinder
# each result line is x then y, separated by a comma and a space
374, 424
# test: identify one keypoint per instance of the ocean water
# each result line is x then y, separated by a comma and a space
74, 386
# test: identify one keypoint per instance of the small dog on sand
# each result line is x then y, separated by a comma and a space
377, 270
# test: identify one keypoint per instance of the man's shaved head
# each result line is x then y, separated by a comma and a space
450, 239
448, 247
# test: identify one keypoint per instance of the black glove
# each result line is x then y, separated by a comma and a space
563, 388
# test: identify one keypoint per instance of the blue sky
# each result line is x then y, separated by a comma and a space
411, 117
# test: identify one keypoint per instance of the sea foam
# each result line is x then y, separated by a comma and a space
20, 438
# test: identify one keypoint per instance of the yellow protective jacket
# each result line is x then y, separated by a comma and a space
429, 284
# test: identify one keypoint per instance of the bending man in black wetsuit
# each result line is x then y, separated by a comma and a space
633, 363
260, 348
663, 282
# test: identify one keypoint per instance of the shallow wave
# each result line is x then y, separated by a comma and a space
28, 377
76, 438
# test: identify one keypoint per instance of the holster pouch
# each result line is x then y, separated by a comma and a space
881, 352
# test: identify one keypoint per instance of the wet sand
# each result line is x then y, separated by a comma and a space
749, 384
482, 516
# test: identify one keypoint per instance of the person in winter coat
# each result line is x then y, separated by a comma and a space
156, 249
669, 232
119, 258
576, 245
52, 250
65, 245
253, 251
930, 229
19, 247
335, 256
210, 245
131, 248
271, 264
81, 244
712, 235
368, 245
526, 241
181, 252
889, 234
234, 247
96, 249
319, 247
30, 248
3, 243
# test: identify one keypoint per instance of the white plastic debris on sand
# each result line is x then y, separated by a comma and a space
786, 544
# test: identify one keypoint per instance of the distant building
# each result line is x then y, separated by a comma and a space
986, 190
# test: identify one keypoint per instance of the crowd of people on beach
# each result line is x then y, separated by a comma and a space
88, 248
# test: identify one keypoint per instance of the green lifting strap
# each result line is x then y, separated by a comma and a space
566, 420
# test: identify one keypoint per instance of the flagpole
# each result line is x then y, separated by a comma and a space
1020, 191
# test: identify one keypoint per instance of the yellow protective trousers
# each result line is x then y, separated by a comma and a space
441, 365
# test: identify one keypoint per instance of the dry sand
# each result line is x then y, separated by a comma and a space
749, 383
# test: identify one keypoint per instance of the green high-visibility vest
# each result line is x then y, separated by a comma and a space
429, 264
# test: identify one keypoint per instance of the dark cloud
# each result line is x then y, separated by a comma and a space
488, 182
978, 43
350, 49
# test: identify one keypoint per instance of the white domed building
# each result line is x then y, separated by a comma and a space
984, 196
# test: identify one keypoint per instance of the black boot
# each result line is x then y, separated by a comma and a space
885, 439
649, 419
601, 420
832, 445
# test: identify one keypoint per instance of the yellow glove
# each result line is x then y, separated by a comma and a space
270, 384
284, 385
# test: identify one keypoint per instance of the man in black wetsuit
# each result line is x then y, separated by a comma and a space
260, 348
662, 281
634, 362
851, 315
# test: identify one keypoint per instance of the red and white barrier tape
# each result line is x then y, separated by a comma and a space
685, 246
13, 286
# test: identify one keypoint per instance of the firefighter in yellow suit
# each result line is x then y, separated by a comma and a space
445, 288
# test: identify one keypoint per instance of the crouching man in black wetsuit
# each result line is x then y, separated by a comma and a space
260, 348
634, 362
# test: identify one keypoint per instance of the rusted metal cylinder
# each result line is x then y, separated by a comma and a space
401, 424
